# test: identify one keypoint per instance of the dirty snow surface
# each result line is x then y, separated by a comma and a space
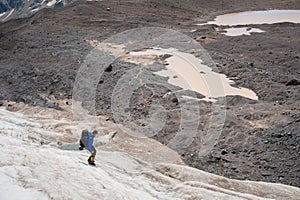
34, 166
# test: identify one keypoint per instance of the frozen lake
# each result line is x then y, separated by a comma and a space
257, 17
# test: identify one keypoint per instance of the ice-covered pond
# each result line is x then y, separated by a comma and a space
253, 17
188, 72
257, 17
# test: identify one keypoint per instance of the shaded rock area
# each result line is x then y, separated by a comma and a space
11, 9
259, 140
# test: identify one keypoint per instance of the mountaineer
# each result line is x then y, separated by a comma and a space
86, 141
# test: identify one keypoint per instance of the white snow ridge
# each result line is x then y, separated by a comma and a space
34, 166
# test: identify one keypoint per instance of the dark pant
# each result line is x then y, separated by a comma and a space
81, 144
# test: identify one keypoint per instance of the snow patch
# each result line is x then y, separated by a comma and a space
10, 12
35, 10
241, 31
51, 3
2, 14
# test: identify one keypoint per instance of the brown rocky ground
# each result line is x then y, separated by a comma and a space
40, 56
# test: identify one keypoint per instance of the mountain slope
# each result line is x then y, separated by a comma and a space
40, 56
10, 9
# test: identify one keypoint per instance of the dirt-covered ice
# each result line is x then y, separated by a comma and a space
33, 167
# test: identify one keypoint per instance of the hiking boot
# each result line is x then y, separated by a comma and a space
91, 158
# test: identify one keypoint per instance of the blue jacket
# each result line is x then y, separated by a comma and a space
90, 141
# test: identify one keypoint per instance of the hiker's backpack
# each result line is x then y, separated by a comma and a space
84, 137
